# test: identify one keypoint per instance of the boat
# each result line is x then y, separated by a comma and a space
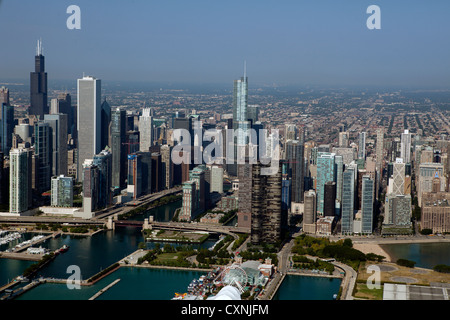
334, 296
64, 248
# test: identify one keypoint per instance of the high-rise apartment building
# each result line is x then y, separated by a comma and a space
19, 180
405, 151
62, 191
348, 200
267, 221
367, 201
362, 145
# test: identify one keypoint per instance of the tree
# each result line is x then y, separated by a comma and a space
348, 243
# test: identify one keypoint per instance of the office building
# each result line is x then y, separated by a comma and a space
38, 85
58, 138
397, 212
43, 153
145, 130
325, 173
189, 201
7, 127
89, 120
118, 148
329, 199
91, 181
103, 161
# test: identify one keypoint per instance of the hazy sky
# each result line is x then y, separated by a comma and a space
283, 42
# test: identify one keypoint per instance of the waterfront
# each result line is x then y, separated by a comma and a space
135, 284
426, 255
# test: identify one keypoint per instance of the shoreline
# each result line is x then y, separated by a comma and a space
372, 248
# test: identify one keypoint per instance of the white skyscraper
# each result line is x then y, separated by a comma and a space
19, 180
88, 120
145, 130
362, 146
405, 151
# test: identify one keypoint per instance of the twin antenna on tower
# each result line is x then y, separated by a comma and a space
39, 48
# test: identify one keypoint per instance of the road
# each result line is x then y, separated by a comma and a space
349, 281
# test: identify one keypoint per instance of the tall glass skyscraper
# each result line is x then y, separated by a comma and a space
367, 204
348, 200
89, 123
118, 148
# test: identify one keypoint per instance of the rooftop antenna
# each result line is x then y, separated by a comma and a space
245, 69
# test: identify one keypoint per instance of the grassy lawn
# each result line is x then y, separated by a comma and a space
365, 293
167, 256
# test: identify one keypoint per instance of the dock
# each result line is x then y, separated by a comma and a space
95, 296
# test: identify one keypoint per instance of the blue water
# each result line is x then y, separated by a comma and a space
307, 288
134, 284
426, 255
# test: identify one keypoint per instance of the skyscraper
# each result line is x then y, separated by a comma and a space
362, 146
90, 174
105, 122
367, 204
329, 199
118, 148
103, 161
296, 164
7, 127
348, 196
241, 125
58, 126
245, 195
19, 180
38, 85
62, 191
325, 173
310, 212
89, 122
145, 130
4, 95
43, 153
267, 220
405, 151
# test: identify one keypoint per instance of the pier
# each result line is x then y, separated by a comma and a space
95, 296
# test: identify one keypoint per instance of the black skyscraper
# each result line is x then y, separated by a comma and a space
38, 86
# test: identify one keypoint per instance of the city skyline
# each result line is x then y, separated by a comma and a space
298, 43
